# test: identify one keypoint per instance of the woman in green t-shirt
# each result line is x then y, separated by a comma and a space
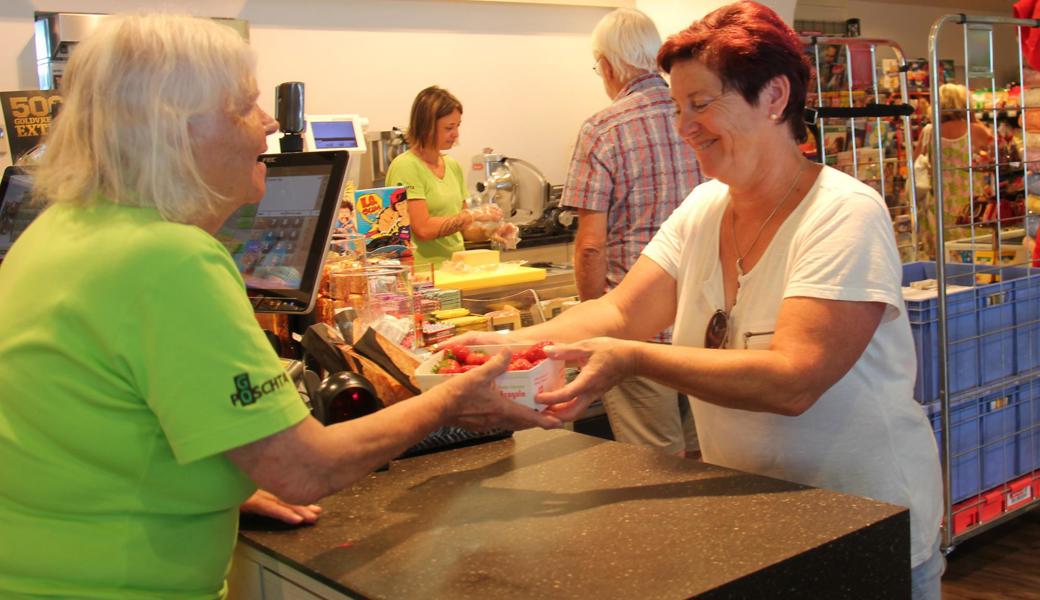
141, 403
436, 187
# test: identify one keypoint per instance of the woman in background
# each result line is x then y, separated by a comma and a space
435, 181
955, 124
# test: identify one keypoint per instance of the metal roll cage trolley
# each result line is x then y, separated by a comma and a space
990, 440
977, 335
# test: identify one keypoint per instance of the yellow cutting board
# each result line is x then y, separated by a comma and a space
506, 274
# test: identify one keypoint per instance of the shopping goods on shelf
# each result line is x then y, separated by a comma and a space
1013, 250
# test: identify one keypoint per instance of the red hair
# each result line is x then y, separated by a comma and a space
746, 45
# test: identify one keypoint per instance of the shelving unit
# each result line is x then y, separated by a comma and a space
861, 117
984, 335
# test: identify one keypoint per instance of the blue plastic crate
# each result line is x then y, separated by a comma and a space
996, 307
1027, 423
984, 339
986, 427
962, 332
1027, 324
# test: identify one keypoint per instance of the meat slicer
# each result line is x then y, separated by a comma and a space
522, 193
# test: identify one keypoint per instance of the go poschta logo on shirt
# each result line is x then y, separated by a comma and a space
246, 393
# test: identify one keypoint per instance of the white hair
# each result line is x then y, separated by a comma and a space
629, 41
129, 92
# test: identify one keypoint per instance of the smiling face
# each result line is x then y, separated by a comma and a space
227, 145
724, 130
447, 132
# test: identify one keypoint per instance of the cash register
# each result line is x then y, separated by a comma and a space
280, 244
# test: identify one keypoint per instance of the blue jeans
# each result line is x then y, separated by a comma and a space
926, 578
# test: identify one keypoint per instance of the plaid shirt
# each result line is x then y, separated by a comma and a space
631, 163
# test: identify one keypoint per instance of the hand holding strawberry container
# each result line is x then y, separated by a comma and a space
530, 371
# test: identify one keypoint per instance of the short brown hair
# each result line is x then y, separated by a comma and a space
746, 45
431, 104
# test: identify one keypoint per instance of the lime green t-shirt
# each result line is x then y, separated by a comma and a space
130, 360
443, 197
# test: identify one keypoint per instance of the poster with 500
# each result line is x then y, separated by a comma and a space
28, 115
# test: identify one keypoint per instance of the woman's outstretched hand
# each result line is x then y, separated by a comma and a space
604, 363
477, 404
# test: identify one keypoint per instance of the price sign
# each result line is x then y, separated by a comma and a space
28, 115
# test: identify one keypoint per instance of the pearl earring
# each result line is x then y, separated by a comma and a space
774, 117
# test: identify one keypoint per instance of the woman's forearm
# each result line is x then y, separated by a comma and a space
815, 344
754, 380
432, 228
592, 318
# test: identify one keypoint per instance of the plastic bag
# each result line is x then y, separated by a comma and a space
923, 173
487, 214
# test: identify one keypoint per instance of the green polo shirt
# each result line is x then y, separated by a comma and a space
130, 360
443, 196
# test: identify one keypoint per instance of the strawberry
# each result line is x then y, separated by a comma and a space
476, 358
447, 367
537, 351
520, 364
468, 368
457, 351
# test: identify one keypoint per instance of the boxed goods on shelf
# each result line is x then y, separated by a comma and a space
980, 249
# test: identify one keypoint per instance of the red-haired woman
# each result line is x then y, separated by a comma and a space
782, 280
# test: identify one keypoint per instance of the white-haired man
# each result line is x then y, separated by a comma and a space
629, 171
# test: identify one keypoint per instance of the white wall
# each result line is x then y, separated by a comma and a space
522, 71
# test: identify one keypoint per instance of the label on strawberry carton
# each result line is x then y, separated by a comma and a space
519, 386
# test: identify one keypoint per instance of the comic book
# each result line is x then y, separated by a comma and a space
381, 215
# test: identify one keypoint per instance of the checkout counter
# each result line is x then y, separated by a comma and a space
557, 514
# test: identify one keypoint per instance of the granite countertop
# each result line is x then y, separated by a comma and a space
562, 515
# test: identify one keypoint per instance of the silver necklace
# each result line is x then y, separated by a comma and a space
762, 227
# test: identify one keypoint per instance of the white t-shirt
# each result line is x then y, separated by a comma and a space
865, 435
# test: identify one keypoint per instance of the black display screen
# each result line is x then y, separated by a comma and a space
333, 135
279, 245
16, 208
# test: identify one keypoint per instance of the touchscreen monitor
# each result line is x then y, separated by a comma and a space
332, 135
280, 244
16, 208
334, 132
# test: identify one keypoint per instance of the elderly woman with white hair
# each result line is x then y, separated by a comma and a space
125, 329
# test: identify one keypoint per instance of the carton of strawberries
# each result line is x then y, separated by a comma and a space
530, 370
